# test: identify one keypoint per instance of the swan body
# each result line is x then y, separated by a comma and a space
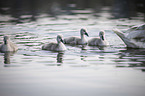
8, 46
134, 37
98, 41
136, 32
74, 40
59, 46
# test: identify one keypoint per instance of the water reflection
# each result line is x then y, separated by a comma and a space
83, 57
30, 10
97, 47
7, 56
60, 57
82, 47
134, 58
124, 9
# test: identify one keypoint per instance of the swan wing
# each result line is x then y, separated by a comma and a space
71, 40
137, 34
13, 46
50, 46
127, 41
94, 41
137, 31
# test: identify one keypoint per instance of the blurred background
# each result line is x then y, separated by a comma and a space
91, 71
33, 8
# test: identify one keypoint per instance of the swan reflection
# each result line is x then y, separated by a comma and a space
134, 58
97, 47
7, 56
60, 57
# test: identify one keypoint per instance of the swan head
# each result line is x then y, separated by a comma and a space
59, 38
6, 39
101, 34
84, 32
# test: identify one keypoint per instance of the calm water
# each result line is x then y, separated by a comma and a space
89, 71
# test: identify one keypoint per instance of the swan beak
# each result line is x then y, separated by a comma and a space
86, 34
62, 41
102, 37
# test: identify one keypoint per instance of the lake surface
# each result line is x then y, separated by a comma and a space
90, 71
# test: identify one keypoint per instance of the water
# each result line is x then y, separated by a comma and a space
90, 71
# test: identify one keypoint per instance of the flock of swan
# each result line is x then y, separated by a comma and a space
134, 38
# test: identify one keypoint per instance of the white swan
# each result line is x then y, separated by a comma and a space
98, 41
136, 32
59, 46
77, 40
134, 37
8, 46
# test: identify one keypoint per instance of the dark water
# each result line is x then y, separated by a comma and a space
90, 71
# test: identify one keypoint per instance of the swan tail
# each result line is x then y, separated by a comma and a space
125, 39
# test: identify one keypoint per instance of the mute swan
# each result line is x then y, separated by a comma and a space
136, 32
59, 46
8, 46
98, 41
77, 40
134, 37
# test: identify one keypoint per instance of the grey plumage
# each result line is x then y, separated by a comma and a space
59, 46
98, 41
7, 45
74, 40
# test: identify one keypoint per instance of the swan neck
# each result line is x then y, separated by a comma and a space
60, 43
62, 46
82, 36
102, 37
6, 42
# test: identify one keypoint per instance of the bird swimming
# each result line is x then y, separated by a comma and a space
98, 41
74, 40
7, 45
133, 37
59, 46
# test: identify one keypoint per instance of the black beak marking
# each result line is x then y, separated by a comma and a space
86, 34
62, 41
102, 37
